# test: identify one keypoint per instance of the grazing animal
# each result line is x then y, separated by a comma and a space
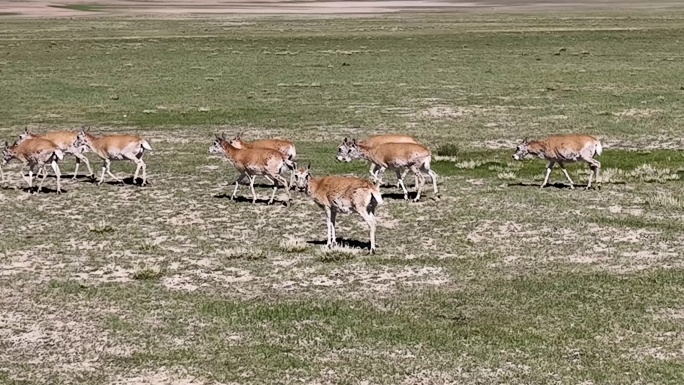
339, 194
285, 147
376, 140
252, 162
116, 147
65, 141
32, 153
395, 156
562, 149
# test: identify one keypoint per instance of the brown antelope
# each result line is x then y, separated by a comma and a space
377, 140
65, 141
394, 156
564, 149
35, 152
285, 147
339, 194
253, 162
116, 147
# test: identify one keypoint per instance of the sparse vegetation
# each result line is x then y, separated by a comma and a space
245, 253
447, 149
497, 282
337, 254
147, 274
665, 199
293, 246
469, 164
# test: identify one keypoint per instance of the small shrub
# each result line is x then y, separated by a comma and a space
337, 254
469, 164
648, 173
102, 228
612, 175
506, 175
293, 246
147, 274
447, 149
148, 247
665, 199
248, 254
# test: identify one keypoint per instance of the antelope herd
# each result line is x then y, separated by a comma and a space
270, 158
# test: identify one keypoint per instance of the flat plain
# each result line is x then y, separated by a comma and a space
496, 282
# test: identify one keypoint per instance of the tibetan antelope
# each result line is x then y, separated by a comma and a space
252, 162
377, 140
564, 149
339, 194
116, 147
394, 156
285, 147
32, 153
65, 141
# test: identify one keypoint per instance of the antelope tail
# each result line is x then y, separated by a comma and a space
59, 154
599, 148
376, 196
146, 145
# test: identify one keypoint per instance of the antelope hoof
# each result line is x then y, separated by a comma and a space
572, 187
416, 199
372, 251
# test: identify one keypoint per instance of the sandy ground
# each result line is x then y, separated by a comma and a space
42, 8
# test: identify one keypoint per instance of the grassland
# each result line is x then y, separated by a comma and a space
497, 282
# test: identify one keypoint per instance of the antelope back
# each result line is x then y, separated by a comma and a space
382, 139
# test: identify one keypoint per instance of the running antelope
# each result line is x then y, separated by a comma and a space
116, 147
285, 147
65, 141
339, 194
377, 140
32, 153
252, 162
394, 156
564, 149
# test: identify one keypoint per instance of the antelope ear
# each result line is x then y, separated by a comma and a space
354, 141
26, 129
526, 140
239, 135
308, 167
6, 144
223, 135
345, 140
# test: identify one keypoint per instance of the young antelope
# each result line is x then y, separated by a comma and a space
339, 194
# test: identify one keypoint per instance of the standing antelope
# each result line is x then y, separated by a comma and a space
65, 141
116, 147
285, 147
339, 194
35, 152
394, 156
377, 140
252, 162
564, 149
